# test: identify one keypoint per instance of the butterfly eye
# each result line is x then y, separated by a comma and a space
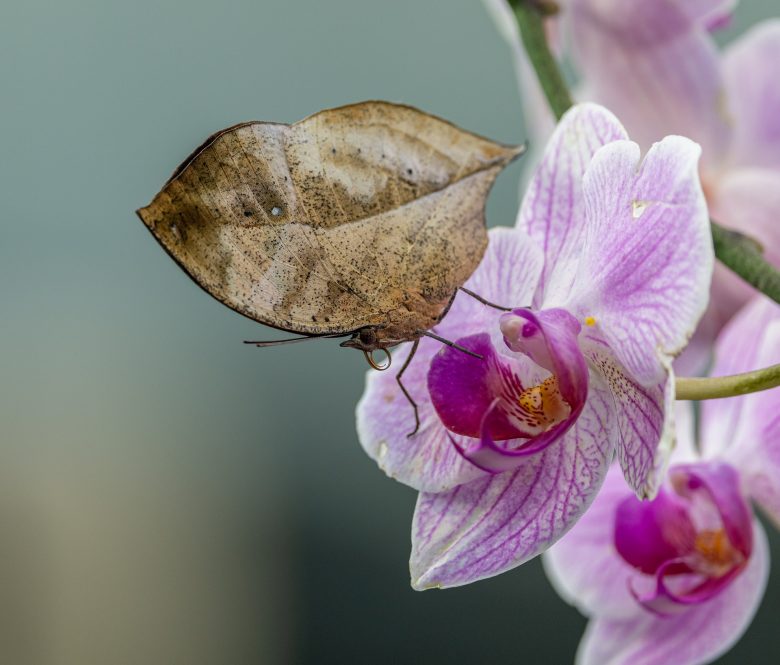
377, 365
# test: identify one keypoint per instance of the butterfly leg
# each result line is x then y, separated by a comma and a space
483, 301
398, 376
450, 343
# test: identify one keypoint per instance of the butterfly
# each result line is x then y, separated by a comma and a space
361, 221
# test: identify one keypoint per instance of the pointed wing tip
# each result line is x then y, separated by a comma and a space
512, 152
144, 216
519, 150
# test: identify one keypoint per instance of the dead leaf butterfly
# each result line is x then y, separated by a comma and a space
361, 221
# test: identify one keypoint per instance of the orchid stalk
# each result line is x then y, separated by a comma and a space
530, 22
735, 251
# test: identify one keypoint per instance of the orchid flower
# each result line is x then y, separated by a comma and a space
607, 273
678, 579
656, 66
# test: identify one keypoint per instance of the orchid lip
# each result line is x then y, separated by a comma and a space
693, 539
493, 402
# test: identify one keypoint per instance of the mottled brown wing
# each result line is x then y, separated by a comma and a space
322, 226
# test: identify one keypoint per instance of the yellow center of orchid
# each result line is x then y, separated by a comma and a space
715, 547
543, 404
590, 321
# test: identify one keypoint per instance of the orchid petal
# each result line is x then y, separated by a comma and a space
552, 212
584, 566
750, 71
645, 418
428, 461
507, 276
655, 66
648, 254
493, 524
745, 431
696, 636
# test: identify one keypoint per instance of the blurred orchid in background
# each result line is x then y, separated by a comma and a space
678, 579
608, 272
655, 65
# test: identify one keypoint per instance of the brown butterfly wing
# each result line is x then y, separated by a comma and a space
323, 226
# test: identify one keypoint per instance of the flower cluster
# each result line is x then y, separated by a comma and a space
554, 412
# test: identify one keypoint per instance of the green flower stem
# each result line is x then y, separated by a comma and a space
728, 386
735, 251
743, 256
530, 21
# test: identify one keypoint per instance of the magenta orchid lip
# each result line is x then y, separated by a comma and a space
693, 539
499, 399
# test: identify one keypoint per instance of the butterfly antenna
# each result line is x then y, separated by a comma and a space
460, 348
276, 342
292, 340
479, 298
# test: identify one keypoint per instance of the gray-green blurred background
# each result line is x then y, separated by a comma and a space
168, 495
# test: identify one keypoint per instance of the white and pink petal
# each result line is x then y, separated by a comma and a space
584, 566
727, 423
493, 524
552, 210
644, 417
426, 461
647, 261
508, 276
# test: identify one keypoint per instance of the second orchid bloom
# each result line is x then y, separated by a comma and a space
678, 579
606, 274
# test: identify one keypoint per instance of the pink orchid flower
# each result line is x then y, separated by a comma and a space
677, 580
655, 65
608, 272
